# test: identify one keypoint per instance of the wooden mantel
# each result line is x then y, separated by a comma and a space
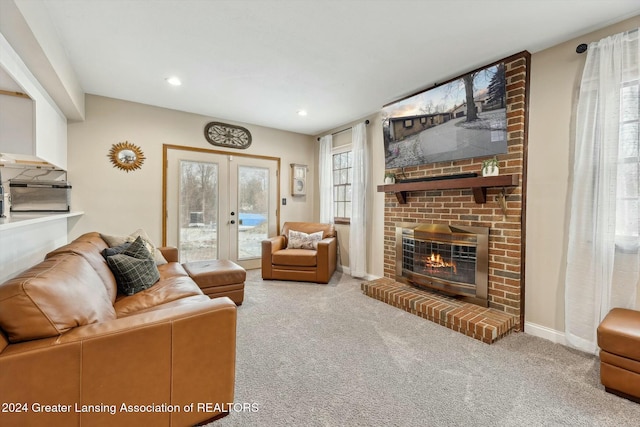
478, 185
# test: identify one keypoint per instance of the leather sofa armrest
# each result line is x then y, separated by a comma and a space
327, 258
169, 253
145, 320
269, 246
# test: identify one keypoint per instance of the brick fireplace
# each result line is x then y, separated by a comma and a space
496, 206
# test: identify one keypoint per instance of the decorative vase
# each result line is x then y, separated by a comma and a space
389, 180
491, 171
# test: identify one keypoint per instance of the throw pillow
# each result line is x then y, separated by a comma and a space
115, 250
134, 269
301, 240
119, 240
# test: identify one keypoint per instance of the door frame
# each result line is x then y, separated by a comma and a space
165, 165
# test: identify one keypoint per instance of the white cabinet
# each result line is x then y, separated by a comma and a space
16, 119
31, 128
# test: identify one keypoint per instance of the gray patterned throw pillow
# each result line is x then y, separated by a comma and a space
134, 269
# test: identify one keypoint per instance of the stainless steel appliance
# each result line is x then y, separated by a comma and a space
39, 196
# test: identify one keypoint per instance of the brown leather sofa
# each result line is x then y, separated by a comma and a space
75, 352
305, 265
619, 342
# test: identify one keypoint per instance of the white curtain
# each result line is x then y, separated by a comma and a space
602, 258
325, 179
357, 229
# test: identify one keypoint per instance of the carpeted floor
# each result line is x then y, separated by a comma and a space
327, 355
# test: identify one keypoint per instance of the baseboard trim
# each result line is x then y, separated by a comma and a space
540, 331
346, 270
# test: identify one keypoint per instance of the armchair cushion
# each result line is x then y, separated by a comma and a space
295, 257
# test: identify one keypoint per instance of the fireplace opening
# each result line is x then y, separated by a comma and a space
449, 259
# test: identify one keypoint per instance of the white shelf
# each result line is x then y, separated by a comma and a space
16, 219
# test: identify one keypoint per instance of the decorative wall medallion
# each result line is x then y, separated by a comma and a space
225, 135
126, 156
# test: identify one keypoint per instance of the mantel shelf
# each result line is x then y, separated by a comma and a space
478, 185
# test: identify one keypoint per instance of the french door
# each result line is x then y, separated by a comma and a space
219, 205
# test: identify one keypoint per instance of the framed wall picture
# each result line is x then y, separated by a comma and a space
298, 179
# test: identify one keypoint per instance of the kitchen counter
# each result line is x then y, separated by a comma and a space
16, 219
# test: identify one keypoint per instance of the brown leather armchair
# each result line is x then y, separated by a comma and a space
305, 265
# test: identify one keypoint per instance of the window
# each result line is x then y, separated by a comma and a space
342, 177
628, 179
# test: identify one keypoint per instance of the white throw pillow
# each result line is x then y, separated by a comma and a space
300, 240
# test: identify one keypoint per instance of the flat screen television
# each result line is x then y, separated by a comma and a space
463, 118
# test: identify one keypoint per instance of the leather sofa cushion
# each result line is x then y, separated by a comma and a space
297, 257
162, 292
90, 247
171, 269
60, 293
181, 302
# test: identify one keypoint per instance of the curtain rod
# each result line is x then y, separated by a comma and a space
366, 122
582, 47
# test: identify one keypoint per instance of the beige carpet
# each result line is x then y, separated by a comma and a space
327, 355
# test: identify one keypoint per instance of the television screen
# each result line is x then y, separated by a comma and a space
463, 118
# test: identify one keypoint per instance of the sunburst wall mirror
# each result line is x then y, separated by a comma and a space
126, 156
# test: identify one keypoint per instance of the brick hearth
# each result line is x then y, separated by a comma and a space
484, 324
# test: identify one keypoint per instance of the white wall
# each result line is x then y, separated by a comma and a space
118, 202
555, 80
25, 246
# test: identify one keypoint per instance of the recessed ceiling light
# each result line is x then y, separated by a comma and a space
302, 112
174, 81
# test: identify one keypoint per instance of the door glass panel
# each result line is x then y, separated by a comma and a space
198, 211
253, 208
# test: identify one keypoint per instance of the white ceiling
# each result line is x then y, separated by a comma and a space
261, 61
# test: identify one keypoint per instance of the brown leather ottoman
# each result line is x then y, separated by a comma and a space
619, 342
218, 278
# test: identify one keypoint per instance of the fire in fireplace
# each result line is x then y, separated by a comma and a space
448, 259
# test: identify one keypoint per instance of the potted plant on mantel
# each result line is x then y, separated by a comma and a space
490, 167
389, 178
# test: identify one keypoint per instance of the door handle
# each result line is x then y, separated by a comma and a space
233, 221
